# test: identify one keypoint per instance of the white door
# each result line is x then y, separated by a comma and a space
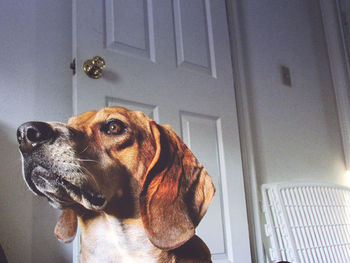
171, 59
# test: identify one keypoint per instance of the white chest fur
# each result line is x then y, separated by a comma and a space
106, 239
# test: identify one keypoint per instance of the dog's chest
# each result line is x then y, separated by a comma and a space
114, 242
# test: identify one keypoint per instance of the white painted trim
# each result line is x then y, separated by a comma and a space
76, 247
74, 56
76, 241
338, 66
235, 24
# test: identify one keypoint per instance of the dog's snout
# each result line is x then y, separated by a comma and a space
33, 134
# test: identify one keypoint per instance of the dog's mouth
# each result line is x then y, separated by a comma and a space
60, 192
95, 199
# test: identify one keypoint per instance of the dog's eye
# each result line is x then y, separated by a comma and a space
113, 127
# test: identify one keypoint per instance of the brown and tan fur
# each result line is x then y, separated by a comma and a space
135, 188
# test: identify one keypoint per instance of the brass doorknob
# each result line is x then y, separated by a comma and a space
93, 67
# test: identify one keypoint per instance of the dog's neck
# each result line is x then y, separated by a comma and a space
104, 238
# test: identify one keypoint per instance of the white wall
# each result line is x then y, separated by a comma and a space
35, 84
296, 131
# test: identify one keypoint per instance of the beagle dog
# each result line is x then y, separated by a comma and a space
137, 191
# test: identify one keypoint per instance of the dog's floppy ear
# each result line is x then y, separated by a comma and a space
66, 226
176, 191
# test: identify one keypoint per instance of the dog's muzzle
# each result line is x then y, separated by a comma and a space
44, 166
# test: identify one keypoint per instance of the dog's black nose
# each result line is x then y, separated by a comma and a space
32, 134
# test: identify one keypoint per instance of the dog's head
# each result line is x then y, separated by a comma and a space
120, 162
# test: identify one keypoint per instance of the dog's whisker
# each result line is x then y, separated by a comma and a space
87, 160
72, 165
85, 171
84, 150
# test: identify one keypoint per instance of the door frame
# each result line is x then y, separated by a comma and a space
76, 241
339, 67
245, 126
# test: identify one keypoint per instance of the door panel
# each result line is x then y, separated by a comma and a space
133, 37
194, 36
197, 129
171, 60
